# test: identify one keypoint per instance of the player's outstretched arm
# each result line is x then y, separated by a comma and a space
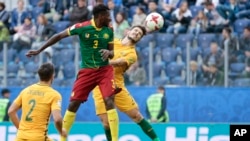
54, 39
58, 122
12, 112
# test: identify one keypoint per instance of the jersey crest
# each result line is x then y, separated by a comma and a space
105, 36
87, 35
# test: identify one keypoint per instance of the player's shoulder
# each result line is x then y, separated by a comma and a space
81, 25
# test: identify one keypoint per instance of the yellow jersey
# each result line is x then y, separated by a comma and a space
37, 102
128, 53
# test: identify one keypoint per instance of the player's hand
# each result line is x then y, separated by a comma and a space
64, 133
32, 53
105, 54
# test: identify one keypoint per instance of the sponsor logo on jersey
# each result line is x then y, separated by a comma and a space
105, 36
87, 35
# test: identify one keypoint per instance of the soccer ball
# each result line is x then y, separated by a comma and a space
153, 22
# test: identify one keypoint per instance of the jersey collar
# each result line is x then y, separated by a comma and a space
93, 24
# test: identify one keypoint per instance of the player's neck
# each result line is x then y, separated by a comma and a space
45, 83
98, 24
126, 41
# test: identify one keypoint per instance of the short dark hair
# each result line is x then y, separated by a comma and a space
46, 71
227, 29
2, 4
161, 88
100, 8
4, 91
144, 31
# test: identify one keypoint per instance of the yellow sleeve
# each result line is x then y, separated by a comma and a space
56, 102
18, 100
131, 58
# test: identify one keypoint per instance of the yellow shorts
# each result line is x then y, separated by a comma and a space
123, 101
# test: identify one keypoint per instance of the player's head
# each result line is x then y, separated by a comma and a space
161, 89
5, 93
101, 13
136, 33
46, 72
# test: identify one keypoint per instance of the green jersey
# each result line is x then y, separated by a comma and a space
92, 40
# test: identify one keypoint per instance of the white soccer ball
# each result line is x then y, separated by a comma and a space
154, 21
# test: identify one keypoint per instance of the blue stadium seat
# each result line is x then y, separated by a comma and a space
30, 69
195, 10
240, 24
205, 39
11, 55
144, 42
158, 81
194, 53
67, 55
23, 58
12, 70
164, 40
241, 82
157, 69
236, 69
36, 11
169, 55
61, 25
173, 70
33, 2
14, 82
57, 82
178, 81
69, 70
67, 42
29, 81
182, 40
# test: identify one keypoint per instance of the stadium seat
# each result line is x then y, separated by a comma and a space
169, 55
61, 25
11, 55
29, 81
33, 2
36, 11
159, 81
57, 82
67, 42
236, 69
242, 82
144, 42
178, 81
205, 39
67, 55
195, 10
1, 56
23, 58
240, 24
13, 82
194, 53
30, 69
12, 70
182, 40
69, 70
164, 40
157, 69
173, 70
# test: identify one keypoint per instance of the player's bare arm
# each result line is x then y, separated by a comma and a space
108, 53
118, 62
54, 39
58, 122
13, 114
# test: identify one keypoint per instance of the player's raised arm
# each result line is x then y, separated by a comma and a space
54, 39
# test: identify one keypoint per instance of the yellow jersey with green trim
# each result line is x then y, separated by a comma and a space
92, 40
128, 53
37, 102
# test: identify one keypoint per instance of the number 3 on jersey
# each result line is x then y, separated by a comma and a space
95, 44
32, 102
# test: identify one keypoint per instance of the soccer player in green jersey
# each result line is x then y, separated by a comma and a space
96, 41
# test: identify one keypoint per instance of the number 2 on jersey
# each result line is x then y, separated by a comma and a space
95, 45
32, 102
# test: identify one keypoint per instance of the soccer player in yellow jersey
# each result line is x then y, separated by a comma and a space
37, 102
124, 56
